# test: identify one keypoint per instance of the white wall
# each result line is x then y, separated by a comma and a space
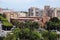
22, 14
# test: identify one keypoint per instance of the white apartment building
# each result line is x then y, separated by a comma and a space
34, 12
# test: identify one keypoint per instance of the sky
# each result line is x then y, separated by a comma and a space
24, 5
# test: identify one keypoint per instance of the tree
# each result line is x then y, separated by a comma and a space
15, 22
18, 24
32, 25
36, 36
21, 25
16, 32
23, 34
54, 19
49, 35
45, 35
53, 23
53, 36
50, 25
35, 25
25, 31
4, 15
10, 37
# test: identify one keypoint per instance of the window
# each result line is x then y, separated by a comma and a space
37, 13
32, 14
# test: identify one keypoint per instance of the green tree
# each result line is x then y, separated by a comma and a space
21, 25
24, 34
53, 36
48, 35
15, 22
53, 23
45, 35
54, 19
25, 31
10, 37
36, 35
16, 32
32, 25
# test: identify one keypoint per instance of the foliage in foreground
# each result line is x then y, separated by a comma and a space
19, 34
28, 31
26, 34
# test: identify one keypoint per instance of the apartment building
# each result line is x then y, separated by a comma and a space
56, 12
34, 12
48, 11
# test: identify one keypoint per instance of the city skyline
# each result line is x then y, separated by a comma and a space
23, 5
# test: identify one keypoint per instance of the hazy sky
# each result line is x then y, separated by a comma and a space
23, 5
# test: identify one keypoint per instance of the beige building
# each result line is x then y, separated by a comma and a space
56, 13
14, 15
22, 14
10, 15
6, 12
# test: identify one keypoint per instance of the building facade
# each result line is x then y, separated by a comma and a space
34, 12
48, 11
22, 14
56, 12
